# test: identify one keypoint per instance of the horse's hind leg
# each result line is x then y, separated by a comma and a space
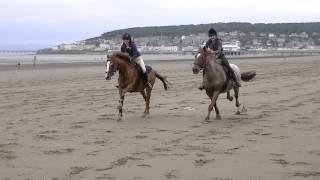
229, 96
120, 106
236, 95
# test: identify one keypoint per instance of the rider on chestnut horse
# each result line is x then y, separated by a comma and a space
128, 46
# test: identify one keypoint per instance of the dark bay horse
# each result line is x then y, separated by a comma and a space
215, 79
129, 78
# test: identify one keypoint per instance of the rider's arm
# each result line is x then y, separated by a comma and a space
219, 48
135, 52
207, 44
123, 48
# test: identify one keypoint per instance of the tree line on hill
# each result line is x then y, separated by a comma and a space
171, 31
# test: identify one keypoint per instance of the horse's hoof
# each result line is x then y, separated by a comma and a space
244, 109
206, 121
230, 98
218, 117
145, 115
238, 113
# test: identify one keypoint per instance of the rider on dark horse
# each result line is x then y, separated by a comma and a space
128, 46
215, 44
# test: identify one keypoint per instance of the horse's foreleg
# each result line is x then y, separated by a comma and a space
148, 100
126, 89
143, 93
228, 96
120, 104
218, 116
213, 103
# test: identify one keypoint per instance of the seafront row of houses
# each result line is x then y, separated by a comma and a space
232, 42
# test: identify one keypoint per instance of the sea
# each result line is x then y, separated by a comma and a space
14, 59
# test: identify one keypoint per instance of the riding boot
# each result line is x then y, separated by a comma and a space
233, 76
145, 80
231, 72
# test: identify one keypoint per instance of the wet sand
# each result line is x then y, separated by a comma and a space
60, 123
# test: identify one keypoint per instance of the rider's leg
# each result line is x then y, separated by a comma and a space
140, 62
233, 76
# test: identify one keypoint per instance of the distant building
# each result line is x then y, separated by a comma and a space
293, 35
271, 35
252, 33
304, 35
231, 48
234, 33
262, 34
160, 49
66, 47
104, 46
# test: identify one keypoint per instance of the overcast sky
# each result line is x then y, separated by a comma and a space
64, 21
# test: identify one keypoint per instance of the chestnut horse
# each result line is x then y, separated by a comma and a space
215, 79
129, 78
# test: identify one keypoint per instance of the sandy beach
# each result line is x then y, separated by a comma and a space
60, 122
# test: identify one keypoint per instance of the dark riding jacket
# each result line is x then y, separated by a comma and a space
215, 45
132, 50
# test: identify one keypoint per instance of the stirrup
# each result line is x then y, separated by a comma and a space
238, 84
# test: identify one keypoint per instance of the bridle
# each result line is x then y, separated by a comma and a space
198, 64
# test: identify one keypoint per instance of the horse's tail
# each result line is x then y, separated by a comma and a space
163, 79
247, 76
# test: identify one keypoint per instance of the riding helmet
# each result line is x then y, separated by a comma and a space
126, 36
212, 32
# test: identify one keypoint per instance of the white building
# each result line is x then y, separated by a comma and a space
66, 47
271, 35
160, 48
231, 48
104, 46
304, 35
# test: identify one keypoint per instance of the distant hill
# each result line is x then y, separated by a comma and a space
283, 28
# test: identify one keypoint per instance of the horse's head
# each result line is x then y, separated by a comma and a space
201, 59
110, 67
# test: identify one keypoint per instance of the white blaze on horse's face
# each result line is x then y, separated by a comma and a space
198, 55
107, 69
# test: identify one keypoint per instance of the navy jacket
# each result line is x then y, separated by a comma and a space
215, 45
132, 50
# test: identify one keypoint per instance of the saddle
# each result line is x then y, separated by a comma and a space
226, 70
229, 80
138, 68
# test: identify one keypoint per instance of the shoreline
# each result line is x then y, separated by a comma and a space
72, 64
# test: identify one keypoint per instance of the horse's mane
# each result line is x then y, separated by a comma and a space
122, 56
206, 51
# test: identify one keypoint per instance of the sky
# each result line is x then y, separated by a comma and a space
54, 22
